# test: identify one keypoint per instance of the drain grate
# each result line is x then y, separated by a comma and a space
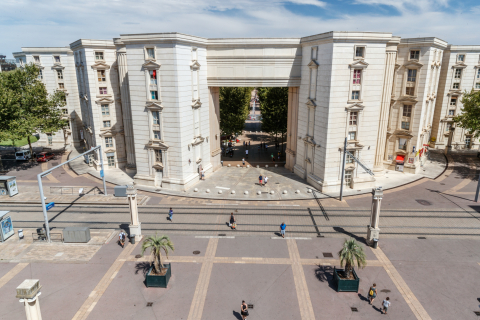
327, 255
149, 304
477, 313
354, 309
385, 290
424, 202
222, 235
138, 256
196, 252
422, 238
250, 306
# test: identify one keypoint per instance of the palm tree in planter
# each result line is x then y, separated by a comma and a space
161, 273
351, 252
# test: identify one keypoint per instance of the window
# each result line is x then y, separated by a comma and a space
105, 110
98, 55
414, 54
196, 122
111, 159
410, 91
109, 142
154, 95
467, 142
352, 135
40, 74
151, 53
158, 156
407, 111
348, 177
461, 58
50, 139
156, 134
101, 75
103, 90
357, 75
477, 85
61, 86
153, 76
405, 125
411, 79
478, 73
448, 126
453, 101
65, 111
359, 52
402, 144
355, 95
412, 75
156, 117
106, 124
353, 118
458, 73
349, 158
60, 74
314, 53
36, 59
456, 85
57, 59
451, 113
67, 126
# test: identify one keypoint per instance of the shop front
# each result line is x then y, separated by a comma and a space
399, 162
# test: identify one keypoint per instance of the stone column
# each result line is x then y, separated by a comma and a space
126, 108
373, 231
214, 115
28, 292
292, 127
135, 225
391, 53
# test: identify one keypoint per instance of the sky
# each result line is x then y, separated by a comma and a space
57, 23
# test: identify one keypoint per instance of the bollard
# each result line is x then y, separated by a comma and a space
219, 191
195, 190
272, 192
246, 192
284, 191
207, 191
233, 192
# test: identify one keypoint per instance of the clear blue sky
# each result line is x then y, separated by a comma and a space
58, 23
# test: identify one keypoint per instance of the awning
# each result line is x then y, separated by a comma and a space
400, 159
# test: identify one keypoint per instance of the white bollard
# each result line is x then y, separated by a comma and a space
195, 190
298, 191
266, 166
259, 192
233, 192
284, 191
219, 191
207, 191
238, 166
276, 165
248, 166
229, 165
309, 191
246, 192
272, 192
258, 166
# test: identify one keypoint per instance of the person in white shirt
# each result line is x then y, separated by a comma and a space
246, 153
265, 180
386, 304
121, 238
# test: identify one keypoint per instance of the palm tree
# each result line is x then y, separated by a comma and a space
350, 252
156, 243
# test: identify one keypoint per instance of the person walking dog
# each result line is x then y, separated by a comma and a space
372, 293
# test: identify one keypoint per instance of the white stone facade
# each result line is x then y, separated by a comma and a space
377, 90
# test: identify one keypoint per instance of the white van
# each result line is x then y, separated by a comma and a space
23, 155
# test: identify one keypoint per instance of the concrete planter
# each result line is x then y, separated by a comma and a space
344, 285
158, 281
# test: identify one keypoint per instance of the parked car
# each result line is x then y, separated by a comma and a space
23, 155
45, 156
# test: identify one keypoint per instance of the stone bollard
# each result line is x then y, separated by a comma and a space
229, 165
219, 191
195, 190
259, 192
297, 191
309, 191
284, 191
272, 192
266, 166
248, 166
258, 166
233, 192
238, 166
28, 292
207, 191
246, 192
276, 165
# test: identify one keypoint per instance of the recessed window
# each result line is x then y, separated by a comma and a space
109, 142
410, 91
453, 101
40, 74
461, 58
353, 118
154, 95
106, 124
103, 90
153, 76
352, 135
478, 73
65, 111
355, 95
448, 126
151, 53
57, 59
402, 144
61, 86
405, 125
458, 73
357, 75
348, 177
158, 156
412, 75
477, 85
451, 113
60, 74
360, 52
36, 59
156, 117
407, 111
111, 160
414, 54
156, 134
467, 142
349, 158
456, 85
98, 55
105, 110
49, 139
101, 76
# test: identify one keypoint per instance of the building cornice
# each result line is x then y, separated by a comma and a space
89, 43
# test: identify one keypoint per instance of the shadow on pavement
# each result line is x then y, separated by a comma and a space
325, 274
237, 315
143, 267
351, 235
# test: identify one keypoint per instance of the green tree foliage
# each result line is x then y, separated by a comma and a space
274, 109
234, 103
352, 251
156, 244
26, 107
469, 119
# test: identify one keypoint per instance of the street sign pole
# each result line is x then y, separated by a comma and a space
343, 168
478, 189
42, 198
102, 173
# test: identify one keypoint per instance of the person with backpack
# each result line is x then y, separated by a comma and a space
372, 293
386, 303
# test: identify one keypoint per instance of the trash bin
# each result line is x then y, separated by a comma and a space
132, 239
375, 243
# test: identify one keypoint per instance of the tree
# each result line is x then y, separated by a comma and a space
156, 244
274, 109
350, 252
469, 119
26, 107
234, 103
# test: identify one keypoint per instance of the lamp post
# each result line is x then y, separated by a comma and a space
28, 292
373, 231
135, 225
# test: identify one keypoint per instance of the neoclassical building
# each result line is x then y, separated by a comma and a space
152, 101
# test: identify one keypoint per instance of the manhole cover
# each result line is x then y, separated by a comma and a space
196, 252
424, 202
54, 163
149, 304
423, 238
442, 184
250, 306
222, 235
138, 256
385, 290
327, 255
354, 309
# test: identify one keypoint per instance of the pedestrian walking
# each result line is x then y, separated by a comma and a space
249, 143
386, 303
202, 174
273, 158
244, 143
265, 180
243, 161
283, 226
258, 148
244, 310
170, 214
246, 153
260, 180
266, 146
372, 293
233, 222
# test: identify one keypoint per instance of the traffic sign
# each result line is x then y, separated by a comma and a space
101, 173
50, 205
